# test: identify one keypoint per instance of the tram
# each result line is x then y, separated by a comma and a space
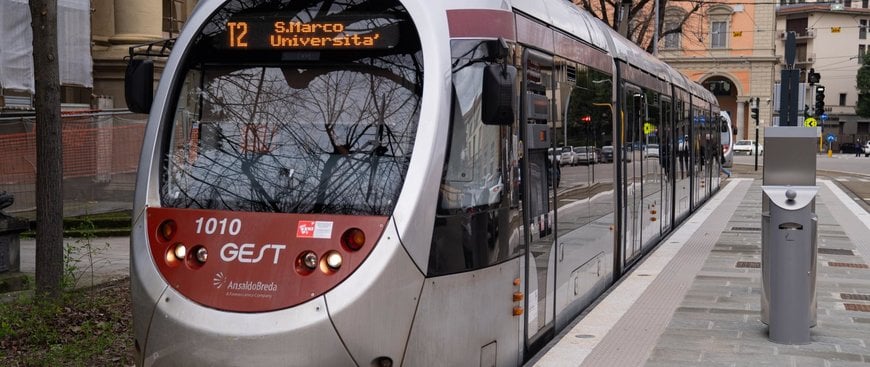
377, 183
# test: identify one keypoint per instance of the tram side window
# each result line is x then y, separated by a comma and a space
473, 173
475, 222
588, 116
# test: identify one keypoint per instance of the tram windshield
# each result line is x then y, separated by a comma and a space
332, 136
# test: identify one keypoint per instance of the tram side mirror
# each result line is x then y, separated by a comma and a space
497, 49
139, 85
499, 94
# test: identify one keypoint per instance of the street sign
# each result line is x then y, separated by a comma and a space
824, 117
648, 128
831, 138
810, 122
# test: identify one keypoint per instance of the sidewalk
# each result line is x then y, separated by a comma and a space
110, 259
696, 300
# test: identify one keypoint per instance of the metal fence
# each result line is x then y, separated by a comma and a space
100, 158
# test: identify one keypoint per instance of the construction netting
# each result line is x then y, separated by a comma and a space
100, 158
73, 41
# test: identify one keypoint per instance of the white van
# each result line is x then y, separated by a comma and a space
727, 139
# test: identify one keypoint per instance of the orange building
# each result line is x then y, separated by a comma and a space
727, 46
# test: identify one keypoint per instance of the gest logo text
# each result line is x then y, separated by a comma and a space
245, 253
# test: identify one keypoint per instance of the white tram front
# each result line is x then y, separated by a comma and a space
376, 182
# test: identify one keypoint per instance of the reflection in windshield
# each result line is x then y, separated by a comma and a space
294, 139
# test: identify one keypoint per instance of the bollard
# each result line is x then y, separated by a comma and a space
791, 238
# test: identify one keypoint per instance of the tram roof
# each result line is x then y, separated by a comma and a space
566, 17
678, 78
581, 24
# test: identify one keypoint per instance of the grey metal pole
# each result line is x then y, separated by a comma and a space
756, 136
656, 32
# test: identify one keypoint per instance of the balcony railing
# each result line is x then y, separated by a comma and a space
805, 59
807, 34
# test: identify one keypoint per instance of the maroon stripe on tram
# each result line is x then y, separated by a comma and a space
534, 33
481, 23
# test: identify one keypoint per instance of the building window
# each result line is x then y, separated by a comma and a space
174, 15
862, 30
847, 3
720, 16
672, 40
798, 26
673, 23
842, 99
864, 4
861, 49
718, 34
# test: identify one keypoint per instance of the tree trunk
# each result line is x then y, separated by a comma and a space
49, 149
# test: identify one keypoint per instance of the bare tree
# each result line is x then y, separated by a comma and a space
49, 149
641, 17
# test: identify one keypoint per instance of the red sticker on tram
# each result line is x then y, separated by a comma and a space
305, 229
314, 229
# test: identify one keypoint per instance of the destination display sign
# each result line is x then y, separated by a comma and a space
274, 33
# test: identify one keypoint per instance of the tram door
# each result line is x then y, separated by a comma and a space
632, 173
667, 151
539, 177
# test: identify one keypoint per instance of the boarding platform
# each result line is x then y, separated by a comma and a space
696, 299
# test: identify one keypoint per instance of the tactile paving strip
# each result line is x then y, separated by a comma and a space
855, 297
857, 307
836, 251
748, 264
653, 310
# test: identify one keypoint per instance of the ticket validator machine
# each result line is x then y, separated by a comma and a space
789, 234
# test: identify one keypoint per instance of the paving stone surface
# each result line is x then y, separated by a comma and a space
718, 322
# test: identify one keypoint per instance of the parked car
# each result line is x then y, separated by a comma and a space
558, 155
867, 149
586, 154
651, 150
568, 156
607, 153
745, 147
851, 148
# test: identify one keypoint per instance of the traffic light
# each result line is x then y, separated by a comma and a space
753, 108
820, 100
813, 77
